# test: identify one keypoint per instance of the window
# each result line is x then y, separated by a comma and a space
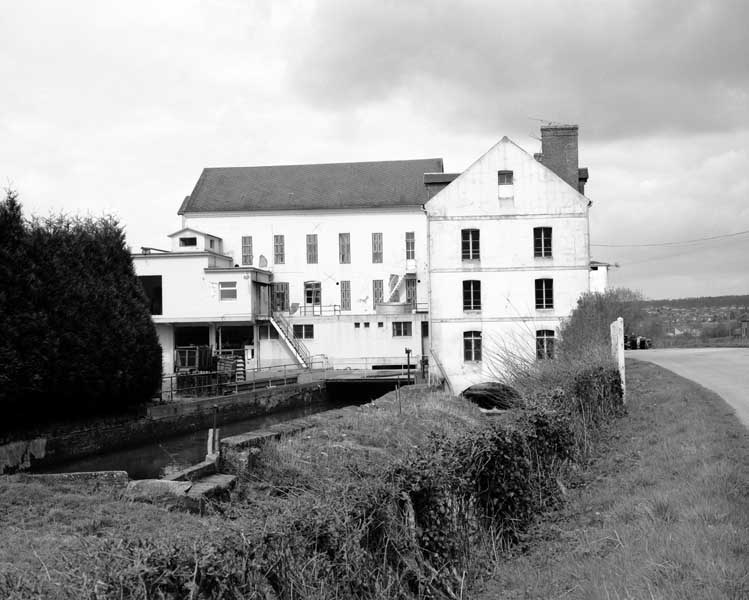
227, 290
544, 293
357, 325
542, 242
280, 296
210, 243
344, 248
188, 241
246, 249
376, 247
411, 291
410, 245
312, 293
311, 248
267, 332
472, 346
504, 177
401, 328
544, 344
366, 324
279, 249
152, 286
472, 295
395, 295
345, 295
377, 292
469, 242
505, 184
380, 324
304, 332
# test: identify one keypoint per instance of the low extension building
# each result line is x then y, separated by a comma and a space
357, 264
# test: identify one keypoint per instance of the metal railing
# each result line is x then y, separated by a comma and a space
285, 329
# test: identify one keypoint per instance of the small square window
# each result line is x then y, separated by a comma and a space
357, 325
227, 290
504, 177
366, 325
380, 324
401, 328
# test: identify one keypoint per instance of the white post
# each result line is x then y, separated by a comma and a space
617, 351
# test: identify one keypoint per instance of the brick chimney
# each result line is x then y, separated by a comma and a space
559, 153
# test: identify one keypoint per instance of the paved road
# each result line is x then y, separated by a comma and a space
724, 371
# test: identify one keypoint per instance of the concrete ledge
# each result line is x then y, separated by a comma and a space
118, 479
202, 469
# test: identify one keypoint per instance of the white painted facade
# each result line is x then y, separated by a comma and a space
349, 329
505, 216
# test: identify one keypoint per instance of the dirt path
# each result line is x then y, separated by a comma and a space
724, 371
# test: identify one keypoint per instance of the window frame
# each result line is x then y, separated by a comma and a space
188, 242
227, 286
378, 292
411, 293
279, 249
545, 342
470, 244
503, 175
410, 245
307, 331
344, 248
345, 294
247, 250
542, 243
402, 329
544, 289
279, 289
471, 295
310, 287
377, 252
472, 346
312, 254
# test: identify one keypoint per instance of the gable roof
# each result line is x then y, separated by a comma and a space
295, 187
194, 231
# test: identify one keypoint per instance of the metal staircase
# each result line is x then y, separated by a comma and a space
286, 331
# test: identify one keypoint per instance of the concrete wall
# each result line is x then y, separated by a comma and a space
165, 420
507, 268
599, 280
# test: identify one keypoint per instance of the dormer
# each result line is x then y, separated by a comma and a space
192, 240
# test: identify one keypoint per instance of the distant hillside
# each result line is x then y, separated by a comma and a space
702, 302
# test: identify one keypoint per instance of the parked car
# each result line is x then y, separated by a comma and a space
637, 342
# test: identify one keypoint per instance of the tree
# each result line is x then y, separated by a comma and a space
78, 337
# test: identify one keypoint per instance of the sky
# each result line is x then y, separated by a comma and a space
116, 107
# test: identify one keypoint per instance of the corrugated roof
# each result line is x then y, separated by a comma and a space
290, 187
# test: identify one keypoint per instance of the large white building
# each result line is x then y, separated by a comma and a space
354, 263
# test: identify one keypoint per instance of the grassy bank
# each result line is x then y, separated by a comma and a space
661, 511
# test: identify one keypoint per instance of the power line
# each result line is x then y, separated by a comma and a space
666, 256
683, 242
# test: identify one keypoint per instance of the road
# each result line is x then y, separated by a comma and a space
724, 371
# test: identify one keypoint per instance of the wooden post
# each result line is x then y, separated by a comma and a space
617, 351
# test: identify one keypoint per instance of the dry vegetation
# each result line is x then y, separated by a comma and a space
661, 511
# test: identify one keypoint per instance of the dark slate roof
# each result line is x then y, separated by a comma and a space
295, 187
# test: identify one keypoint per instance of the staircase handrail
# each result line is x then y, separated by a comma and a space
288, 332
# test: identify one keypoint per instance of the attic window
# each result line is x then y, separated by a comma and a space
505, 189
504, 177
188, 241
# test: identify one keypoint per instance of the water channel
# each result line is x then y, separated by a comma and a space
163, 457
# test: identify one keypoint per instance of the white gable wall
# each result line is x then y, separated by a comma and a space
507, 268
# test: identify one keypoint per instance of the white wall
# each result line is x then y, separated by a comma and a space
189, 293
393, 223
599, 280
507, 268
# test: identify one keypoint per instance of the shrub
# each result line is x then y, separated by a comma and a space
77, 334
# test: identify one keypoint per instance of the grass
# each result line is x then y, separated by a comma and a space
661, 511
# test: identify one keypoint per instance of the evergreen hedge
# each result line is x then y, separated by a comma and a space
77, 337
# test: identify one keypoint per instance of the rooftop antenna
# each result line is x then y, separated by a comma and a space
550, 123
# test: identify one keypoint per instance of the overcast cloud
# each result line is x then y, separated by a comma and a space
116, 107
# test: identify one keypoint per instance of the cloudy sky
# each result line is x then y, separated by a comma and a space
115, 107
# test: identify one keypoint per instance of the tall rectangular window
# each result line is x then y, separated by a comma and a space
402, 329
472, 346
542, 242
410, 245
344, 248
246, 249
472, 295
469, 241
280, 295
227, 290
345, 295
544, 344
377, 247
311, 248
312, 295
544, 293
377, 292
394, 294
411, 291
279, 249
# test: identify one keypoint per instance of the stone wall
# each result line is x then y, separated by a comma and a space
160, 421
